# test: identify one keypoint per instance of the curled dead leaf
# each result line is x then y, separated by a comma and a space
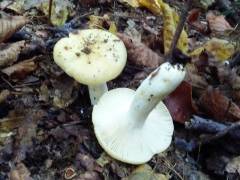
217, 24
21, 69
219, 106
180, 104
9, 25
9, 52
139, 53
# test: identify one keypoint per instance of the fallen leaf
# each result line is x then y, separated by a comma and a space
234, 165
140, 54
21, 69
145, 172
60, 11
193, 15
221, 49
217, 24
89, 175
220, 107
3, 95
87, 162
179, 103
9, 52
9, 25
170, 21
133, 3
152, 5
20, 173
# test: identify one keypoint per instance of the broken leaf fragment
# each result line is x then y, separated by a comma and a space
221, 49
10, 24
152, 5
145, 172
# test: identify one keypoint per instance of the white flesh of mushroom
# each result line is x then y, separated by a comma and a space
132, 126
92, 57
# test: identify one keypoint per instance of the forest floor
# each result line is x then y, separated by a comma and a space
46, 130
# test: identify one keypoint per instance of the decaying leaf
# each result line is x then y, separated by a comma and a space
145, 172
179, 103
21, 69
234, 165
64, 93
9, 52
133, 3
9, 25
20, 173
152, 5
169, 27
140, 54
219, 48
219, 106
60, 11
3, 95
217, 24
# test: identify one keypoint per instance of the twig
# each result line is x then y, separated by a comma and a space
179, 29
209, 126
235, 61
50, 10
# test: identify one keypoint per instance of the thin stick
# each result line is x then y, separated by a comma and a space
50, 10
179, 29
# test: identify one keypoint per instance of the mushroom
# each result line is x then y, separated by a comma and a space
92, 57
132, 126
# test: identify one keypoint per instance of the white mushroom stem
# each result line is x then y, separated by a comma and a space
159, 84
96, 91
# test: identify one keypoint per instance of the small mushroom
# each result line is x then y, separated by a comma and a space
132, 126
92, 57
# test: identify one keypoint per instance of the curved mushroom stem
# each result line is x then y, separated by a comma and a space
96, 91
159, 84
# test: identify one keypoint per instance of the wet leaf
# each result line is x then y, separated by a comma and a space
218, 24
179, 103
9, 25
21, 69
219, 106
145, 172
9, 52
140, 54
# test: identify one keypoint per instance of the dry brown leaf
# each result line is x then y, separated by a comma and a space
219, 106
217, 24
139, 53
21, 69
179, 103
9, 25
9, 52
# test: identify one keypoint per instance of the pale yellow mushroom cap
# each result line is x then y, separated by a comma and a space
91, 56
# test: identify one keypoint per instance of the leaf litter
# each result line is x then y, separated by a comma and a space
45, 117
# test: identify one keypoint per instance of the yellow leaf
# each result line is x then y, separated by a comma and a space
145, 172
153, 5
113, 28
133, 3
95, 22
219, 48
171, 19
